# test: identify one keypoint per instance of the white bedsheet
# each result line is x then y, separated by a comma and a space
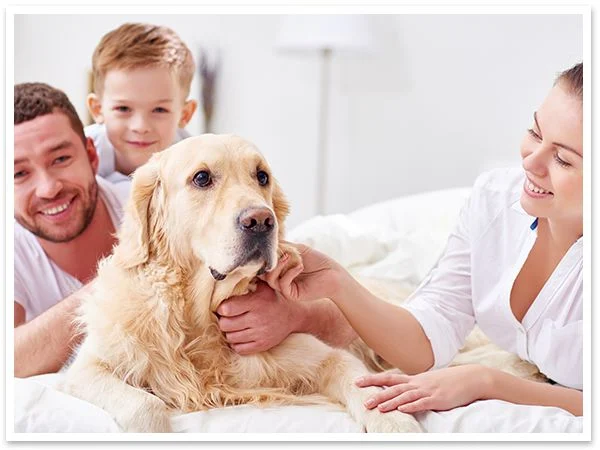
39, 407
399, 240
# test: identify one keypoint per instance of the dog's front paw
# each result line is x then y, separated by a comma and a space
150, 417
391, 422
290, 255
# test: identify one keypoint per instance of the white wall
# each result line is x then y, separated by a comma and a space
441, 98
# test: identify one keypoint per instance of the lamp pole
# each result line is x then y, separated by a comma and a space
322, 129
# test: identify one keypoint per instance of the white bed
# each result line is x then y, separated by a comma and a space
398, 240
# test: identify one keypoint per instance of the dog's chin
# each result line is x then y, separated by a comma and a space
251, 264
218, 276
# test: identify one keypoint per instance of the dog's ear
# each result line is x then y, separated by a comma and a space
134, 233
281, 207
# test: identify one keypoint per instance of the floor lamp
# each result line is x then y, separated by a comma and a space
325, 34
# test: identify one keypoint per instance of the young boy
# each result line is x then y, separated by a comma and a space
142, 77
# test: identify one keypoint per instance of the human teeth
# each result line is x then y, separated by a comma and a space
56, 210
536, 189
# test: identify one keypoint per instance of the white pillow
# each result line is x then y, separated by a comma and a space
400, 239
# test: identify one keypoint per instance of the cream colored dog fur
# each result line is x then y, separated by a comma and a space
152, 345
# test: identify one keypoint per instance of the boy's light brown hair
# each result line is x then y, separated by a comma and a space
142, 45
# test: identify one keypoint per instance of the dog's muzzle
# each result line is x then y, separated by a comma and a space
257, 240
256, 221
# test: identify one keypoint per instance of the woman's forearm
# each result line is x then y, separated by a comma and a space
391, 331
503, 386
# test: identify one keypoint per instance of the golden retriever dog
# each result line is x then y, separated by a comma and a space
204, 218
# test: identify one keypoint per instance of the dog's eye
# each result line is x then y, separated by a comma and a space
202, 179
262, 177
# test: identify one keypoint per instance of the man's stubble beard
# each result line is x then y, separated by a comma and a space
87, 216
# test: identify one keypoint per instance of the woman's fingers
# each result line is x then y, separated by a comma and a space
399, 400
387, 394
422, 404
381, 379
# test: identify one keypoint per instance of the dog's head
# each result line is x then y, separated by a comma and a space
211, 200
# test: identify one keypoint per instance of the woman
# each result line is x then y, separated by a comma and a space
513, 266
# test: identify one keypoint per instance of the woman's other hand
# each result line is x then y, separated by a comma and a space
437, 390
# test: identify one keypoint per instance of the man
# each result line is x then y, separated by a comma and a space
66, 218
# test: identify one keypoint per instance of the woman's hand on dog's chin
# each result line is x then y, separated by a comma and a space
317, 277
259, 320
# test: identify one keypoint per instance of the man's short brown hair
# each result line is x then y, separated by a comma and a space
141, 45
38, 99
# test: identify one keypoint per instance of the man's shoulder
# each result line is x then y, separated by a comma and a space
116, 191
23, 236
115, 195
27, 249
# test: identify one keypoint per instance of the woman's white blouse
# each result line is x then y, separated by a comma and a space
472, 281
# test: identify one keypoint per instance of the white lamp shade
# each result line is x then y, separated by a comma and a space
347, 32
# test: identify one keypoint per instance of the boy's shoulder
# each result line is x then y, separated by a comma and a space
97, 132
94, 129
104, 149
182, 134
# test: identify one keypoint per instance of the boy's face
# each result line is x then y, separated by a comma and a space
142, 109
55, 185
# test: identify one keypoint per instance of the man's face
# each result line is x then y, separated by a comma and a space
54, 175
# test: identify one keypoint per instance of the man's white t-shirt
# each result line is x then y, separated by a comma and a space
472, 282
39, 283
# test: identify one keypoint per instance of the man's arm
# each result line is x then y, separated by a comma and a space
260, 320
44, 344
324, 320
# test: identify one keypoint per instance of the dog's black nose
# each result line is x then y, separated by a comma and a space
256, 220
